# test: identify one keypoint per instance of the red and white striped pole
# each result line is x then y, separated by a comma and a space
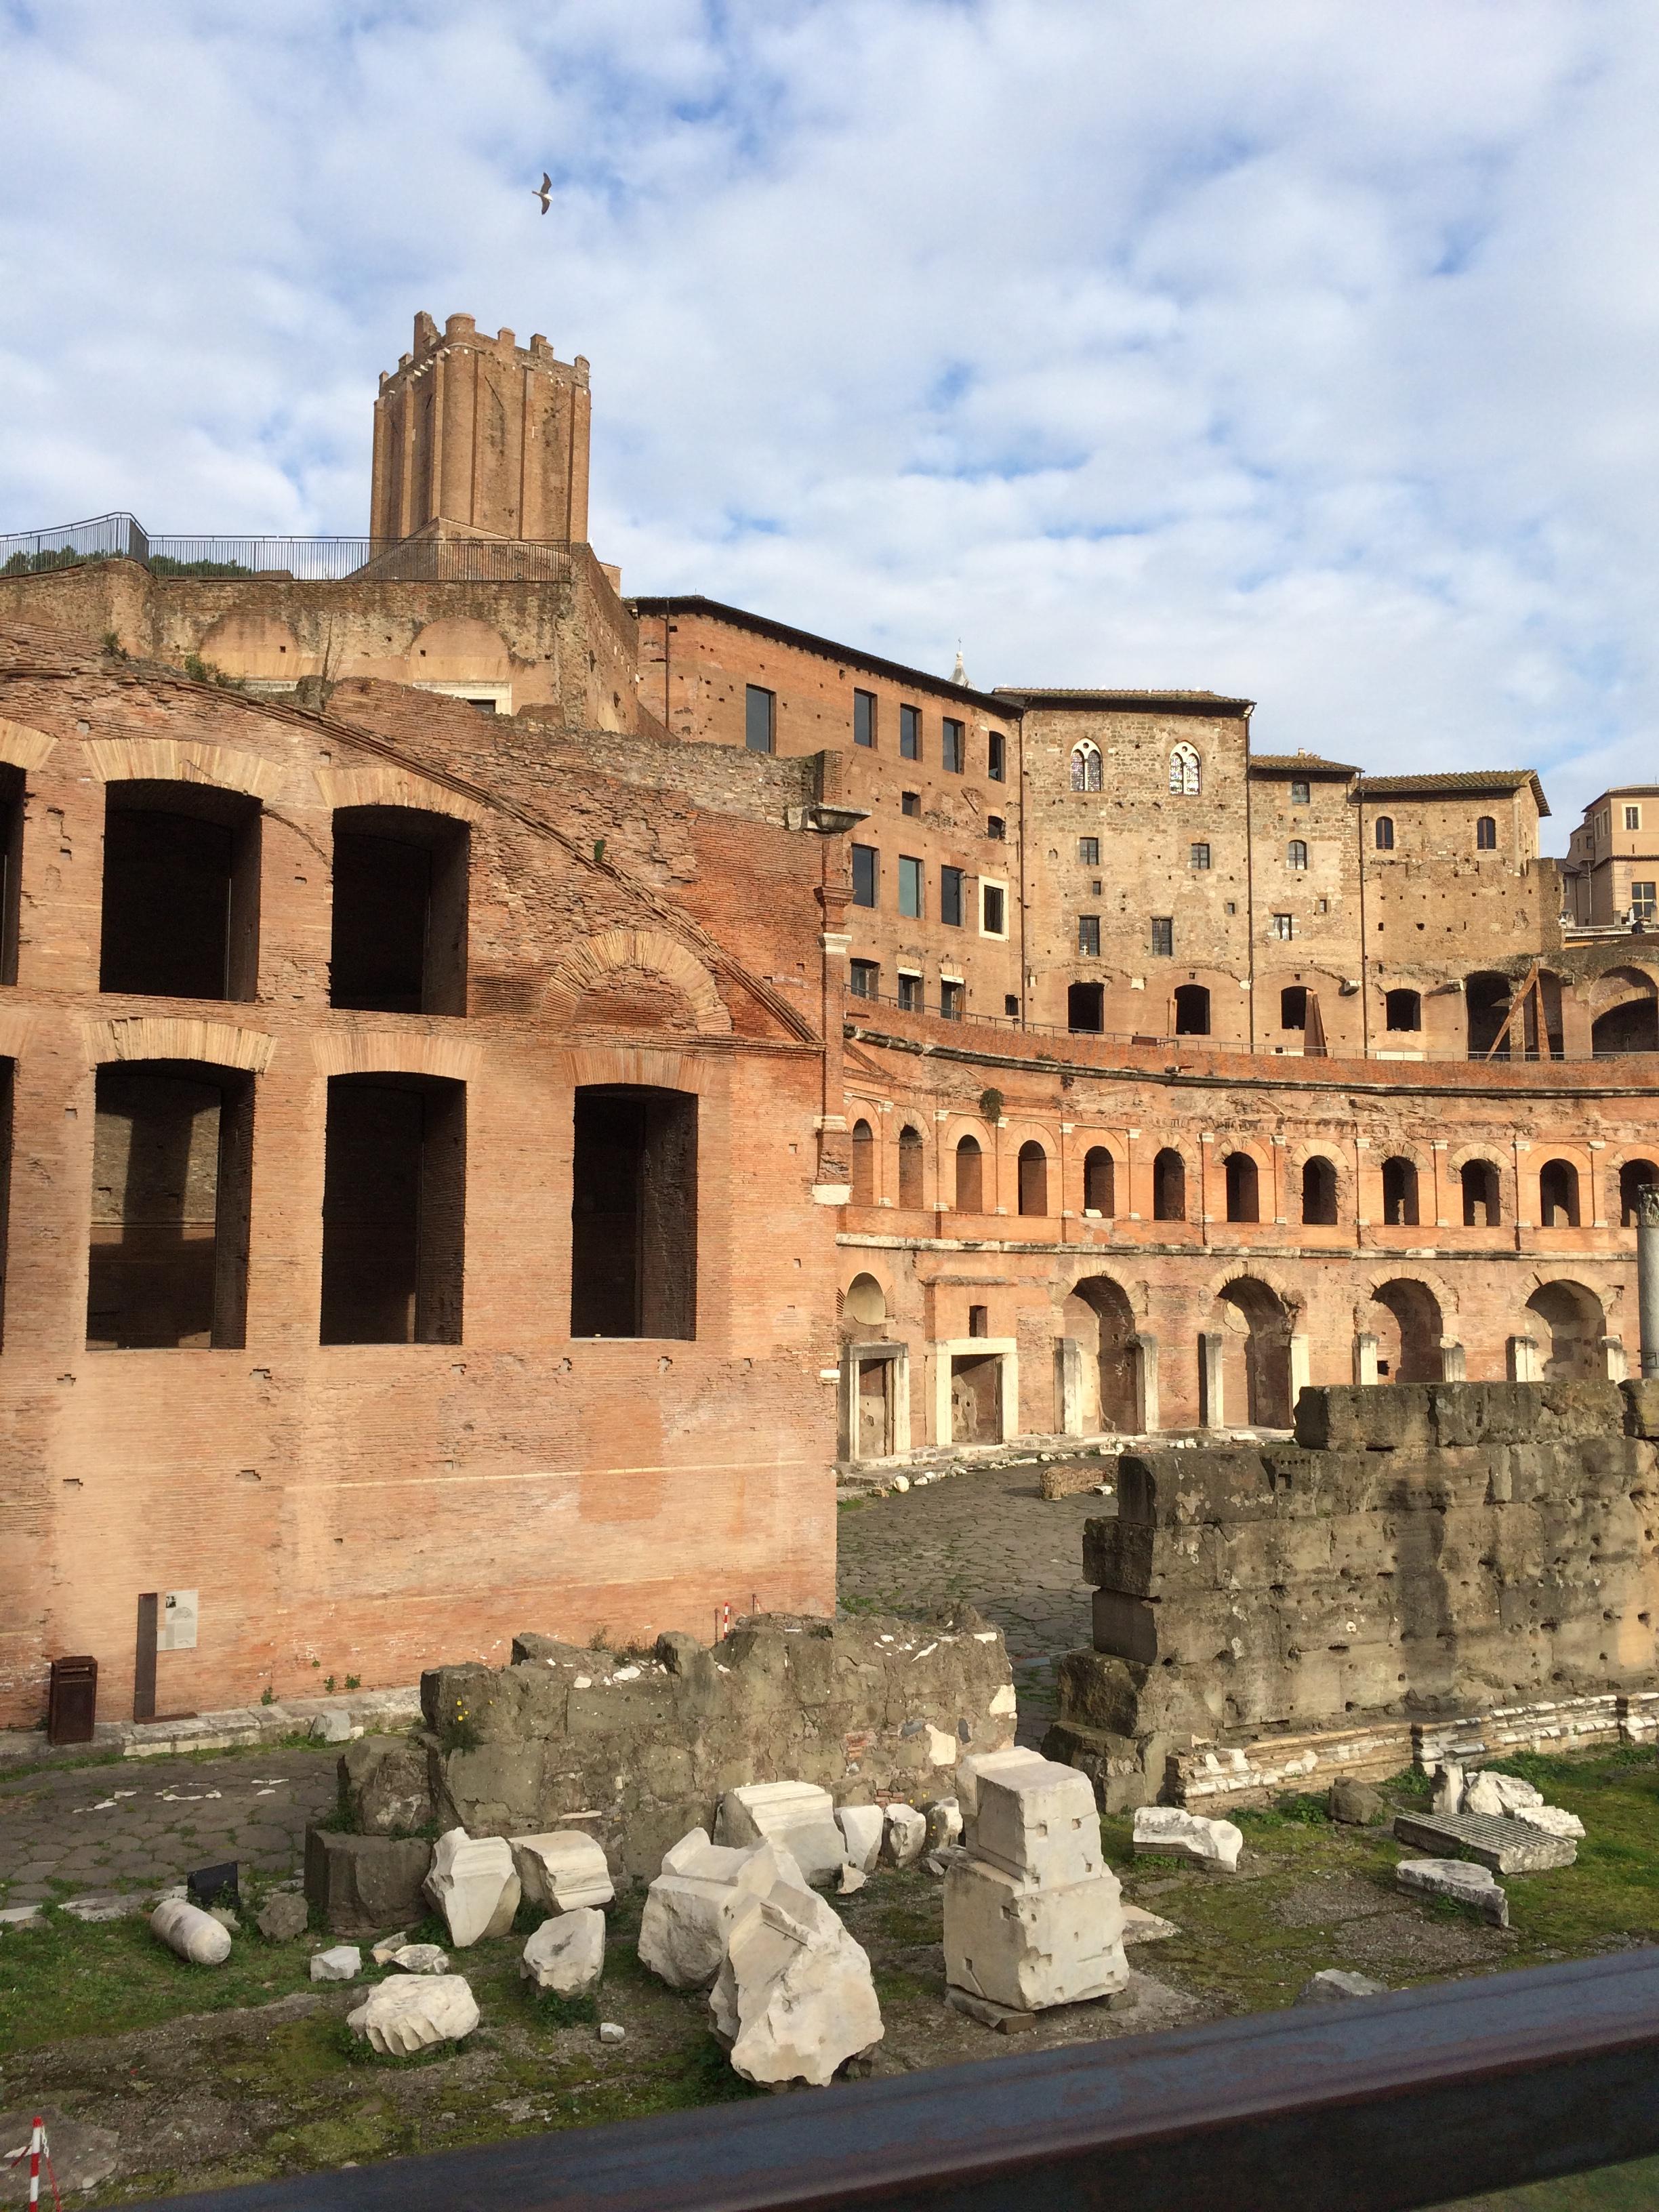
39, 2147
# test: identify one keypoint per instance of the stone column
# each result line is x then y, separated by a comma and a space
1068, 1385
1364, 1359
1144, 1349
1614, 1365
1647, 1275
1210, 1414
1454, 1363
1301, 1368
1523, 1363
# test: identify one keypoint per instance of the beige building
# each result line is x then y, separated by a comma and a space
1612, 869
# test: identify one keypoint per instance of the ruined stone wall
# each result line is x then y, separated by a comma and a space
638, 1746
1418, 1555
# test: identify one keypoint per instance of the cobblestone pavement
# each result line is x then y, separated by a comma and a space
988, 1538
143, 1823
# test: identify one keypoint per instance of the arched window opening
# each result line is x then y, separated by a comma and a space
1384, 833
1293, 1007
864, 1308
1400, 1193
1634, 1178
399, 939
1192, 1010
1487, 1004
1403, 1010
1255, 1380
909, 1167
1486, 835
1033, 1179
1169, 1185
1632, 1027
1086, 1008
1319, 1194
634, 1218
1243, 1200
1085, 766
1186, 772
173, 1154
1482, 1206
1405, 1319
863, 1165
970, 1176
181, 891
1099, 1181
1296, 854
1558, 1195
1100, 1319
1569, 1320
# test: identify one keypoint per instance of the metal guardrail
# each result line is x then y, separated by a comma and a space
302, 560
1376, 2106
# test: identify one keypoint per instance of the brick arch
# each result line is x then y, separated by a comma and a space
179, 760
22, 747
593, 963
1290, 1295
395, 1052
1297, 1157
1438, 1285
168, 1036
393, 787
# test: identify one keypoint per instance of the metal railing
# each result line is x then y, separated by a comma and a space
1398, 1045
1375, 2105
299, 560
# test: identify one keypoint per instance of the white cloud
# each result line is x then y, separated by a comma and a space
1299, 350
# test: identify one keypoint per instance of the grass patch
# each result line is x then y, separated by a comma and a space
554, 2010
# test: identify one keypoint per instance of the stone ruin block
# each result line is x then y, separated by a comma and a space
362, 1884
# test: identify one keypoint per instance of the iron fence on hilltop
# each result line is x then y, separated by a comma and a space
299, 560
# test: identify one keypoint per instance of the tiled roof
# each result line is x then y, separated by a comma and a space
1202, 703
1300, 765
1469, 780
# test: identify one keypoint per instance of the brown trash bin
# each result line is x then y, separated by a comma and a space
73, 1703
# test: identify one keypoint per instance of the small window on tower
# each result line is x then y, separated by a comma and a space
910, 802
912, 899
995, 826
995, 755
864, 978
864, 719
1284, 926
759, 718
1163, 935
1633, 817
909, 734
909, 993
1198, 856
1486, 834
952, 747
1088, 934
1088, 852
950, 896
866, 874
1296, 854
1300, 793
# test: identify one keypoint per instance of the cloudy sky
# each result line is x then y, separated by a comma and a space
1299, 347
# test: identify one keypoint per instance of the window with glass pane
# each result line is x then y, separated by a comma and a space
864, 718
1164, 934
1200, 856
995, 826
1088, 933
995, 755
864, 978
1641, 903
866, 874
910, 993
1633, 817
1283, 925
952, 997
909, 734
1300, 794
1296, 854
950, 896
1486, 834
910, 886
993, 910
1088, 852
759, 718
953, 746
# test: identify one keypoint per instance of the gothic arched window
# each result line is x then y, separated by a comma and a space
1185, 773
1085, 767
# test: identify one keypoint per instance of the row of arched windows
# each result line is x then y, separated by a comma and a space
1486, 833
1478, 1181
1186, 769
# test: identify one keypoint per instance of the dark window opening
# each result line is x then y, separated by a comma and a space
1487, 1004
1301, 793
1403, 1010
1481, 1205
1558, 1195
910, 802
1011, 1005
864, 718
173, 1151
1318, 1193
912, 887
863, 1165
181, 891
909, 993
1634, 1178
1169, 1185
1033, 1179
910, 734
11, 868
394, 1210
1163, 935
1088, 852
979, 1321
1243, 1188
8, 1072
760, 712
866, 874
634, 1215
864, 978
1086, 1008
1088, 934
1293, 1007
1399, 1194
970, 1176
1099, 1181
1192, 1010
398, 941
952, 999
910, 1167
995, 755
953, 747
1633, 1027
996, 828
1384, 833
950, 896
1486, 835
993, 910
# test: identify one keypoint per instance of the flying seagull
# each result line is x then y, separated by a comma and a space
546, 192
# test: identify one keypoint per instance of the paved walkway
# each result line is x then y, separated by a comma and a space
988, 1538
145, 1823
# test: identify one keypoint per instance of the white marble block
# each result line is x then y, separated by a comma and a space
1035, 1817
411, 2012
562, 1870
905, 1837
1168, 1832
798, 1814
1027, 1944
472, 1886
193, 1934
567, 1953
1470, 1885
682, 1929
794, 1998
861, 1828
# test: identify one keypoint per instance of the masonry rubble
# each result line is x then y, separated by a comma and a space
1033, 1915
1336, 1986
196, 1936
561, 1871
1171, 1831
799, 1815
473, 1886
344, 1962
1474, 1885
566, 1954
1509, 1516
411, 2013
794, 1998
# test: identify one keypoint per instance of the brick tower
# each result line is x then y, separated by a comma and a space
481, 437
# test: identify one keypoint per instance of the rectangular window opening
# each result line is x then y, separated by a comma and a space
912, 894
1284, 926
910, 802
1088, 934
953, 747
11, 868
996, 756
394, 1210
1198, 856
909, 993
864, 978
993, 910
173, 1154
866, 875
633, 1213
950, 896
952, 1000
399, 928
864, 719
760, 710
181, 891
1088, 852
910, 734
1163, 935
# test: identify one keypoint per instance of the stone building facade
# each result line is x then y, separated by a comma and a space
509, 1084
